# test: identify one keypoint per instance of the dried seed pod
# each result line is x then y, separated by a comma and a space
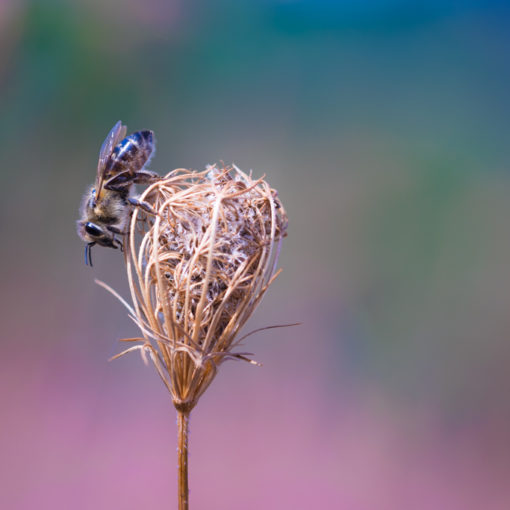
198, 269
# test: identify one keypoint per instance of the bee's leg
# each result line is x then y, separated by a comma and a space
116, 230
116, 188
146, 176
144, 205
118, 244
119, 182
88, 254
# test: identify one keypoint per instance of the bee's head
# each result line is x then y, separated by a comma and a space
94, 233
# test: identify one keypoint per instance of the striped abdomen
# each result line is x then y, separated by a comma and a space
130, 155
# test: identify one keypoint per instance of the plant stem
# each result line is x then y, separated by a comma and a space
182, 456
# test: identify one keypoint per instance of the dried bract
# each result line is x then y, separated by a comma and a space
198, 269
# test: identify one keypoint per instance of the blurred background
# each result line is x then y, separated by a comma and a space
384, 125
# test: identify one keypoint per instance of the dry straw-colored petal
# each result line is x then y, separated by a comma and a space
198, 269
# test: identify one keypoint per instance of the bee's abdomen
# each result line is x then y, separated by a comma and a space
131, 154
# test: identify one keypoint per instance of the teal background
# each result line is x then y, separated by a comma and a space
384, 125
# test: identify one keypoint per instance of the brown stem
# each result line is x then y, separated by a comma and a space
182, 456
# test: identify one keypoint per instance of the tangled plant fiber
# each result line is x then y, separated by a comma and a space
197, 269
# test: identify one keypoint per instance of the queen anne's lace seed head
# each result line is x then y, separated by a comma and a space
198, 269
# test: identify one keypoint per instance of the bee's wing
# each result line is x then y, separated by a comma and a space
117, 133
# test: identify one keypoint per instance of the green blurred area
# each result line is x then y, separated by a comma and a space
384, 130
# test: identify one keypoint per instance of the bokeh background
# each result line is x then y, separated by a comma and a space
385, 127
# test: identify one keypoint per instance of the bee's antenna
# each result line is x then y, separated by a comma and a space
88, 254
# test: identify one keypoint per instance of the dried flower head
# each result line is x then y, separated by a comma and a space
197, 270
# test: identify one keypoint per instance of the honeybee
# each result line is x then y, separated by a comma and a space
107, 205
